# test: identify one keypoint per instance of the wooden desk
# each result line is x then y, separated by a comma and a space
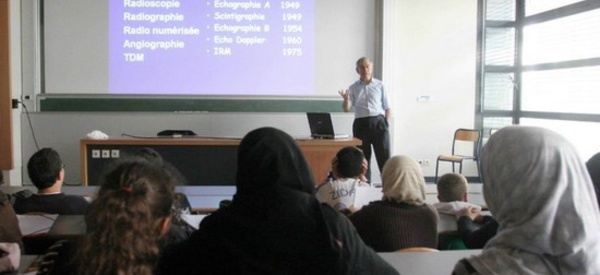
425, 263
203, 161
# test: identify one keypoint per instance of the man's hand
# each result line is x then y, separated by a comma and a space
346, 96
344, 93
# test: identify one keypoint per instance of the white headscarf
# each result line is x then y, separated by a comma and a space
403, 181
540, 192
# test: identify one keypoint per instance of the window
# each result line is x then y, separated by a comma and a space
540, 66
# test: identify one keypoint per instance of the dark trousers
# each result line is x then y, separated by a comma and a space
373, 131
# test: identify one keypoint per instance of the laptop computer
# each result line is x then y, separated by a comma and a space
321, 126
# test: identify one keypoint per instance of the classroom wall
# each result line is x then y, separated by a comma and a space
434, 49
13, 177
428, 49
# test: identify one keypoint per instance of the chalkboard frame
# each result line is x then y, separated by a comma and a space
183, 105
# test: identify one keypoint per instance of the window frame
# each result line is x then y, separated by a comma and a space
516, 114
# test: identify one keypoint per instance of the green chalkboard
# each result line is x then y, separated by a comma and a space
56, 104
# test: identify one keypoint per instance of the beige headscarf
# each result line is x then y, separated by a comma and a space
539, 190
403, 181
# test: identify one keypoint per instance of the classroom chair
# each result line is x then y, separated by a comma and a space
459, 154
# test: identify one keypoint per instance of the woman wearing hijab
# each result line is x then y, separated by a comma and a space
540, 192
402, 218
275, 224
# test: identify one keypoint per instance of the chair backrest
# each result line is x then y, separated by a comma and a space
467, 135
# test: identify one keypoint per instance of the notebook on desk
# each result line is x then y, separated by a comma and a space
321, 126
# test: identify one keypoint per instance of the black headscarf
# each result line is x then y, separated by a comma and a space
275, 225
269, 158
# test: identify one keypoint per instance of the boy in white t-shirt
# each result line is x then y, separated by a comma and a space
348, 170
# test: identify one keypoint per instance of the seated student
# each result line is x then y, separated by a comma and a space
473, 228
179, 229
452, 194
348, 170
125, 225
539, 190
46, 171
182, 204
402, 218
274, 224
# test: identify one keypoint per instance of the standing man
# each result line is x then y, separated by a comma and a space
368, 98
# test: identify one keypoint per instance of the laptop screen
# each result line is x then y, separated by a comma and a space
320, 125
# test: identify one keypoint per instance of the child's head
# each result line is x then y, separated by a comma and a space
452, 187
127, 220
349, 162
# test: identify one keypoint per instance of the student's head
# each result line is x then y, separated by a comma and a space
403, 181
364, 67
156, 158
452, 187
127, 220
349, 162
270, 158
150, 154
534, 179
45, 168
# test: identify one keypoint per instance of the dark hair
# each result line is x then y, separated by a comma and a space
451, 187
349, 162
155, 157
150, 154
43, 168
181, 203
124, 221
